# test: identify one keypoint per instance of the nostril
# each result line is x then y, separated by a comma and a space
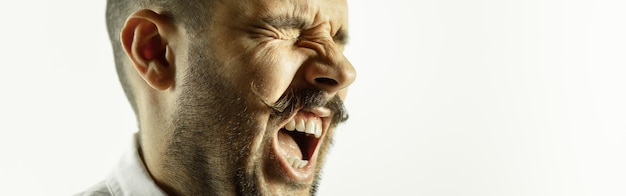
326, 81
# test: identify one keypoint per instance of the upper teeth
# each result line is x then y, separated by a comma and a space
309, 127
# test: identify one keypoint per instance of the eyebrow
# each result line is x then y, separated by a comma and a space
285, 22
340, 37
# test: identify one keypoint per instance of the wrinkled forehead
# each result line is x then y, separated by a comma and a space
309, 12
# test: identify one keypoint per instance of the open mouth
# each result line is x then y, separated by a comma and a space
296, 145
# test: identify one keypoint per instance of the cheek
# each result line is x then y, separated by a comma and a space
342, 94
275, 69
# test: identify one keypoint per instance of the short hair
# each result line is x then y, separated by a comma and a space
194, 15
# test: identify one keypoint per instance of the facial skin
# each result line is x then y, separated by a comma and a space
211, 108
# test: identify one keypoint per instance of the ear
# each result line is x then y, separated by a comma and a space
145, 39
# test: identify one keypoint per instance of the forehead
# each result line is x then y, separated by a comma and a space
308, 12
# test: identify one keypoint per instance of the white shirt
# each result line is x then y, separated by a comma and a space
129, 177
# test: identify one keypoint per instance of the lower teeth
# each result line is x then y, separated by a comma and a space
297, 163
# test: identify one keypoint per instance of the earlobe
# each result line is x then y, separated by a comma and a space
145, 41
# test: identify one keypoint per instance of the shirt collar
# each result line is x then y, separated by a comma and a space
130, 176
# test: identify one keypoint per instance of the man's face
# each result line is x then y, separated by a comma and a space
260, 98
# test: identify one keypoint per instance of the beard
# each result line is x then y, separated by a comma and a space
219, 144
213, 130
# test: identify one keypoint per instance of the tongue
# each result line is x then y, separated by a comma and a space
288, 145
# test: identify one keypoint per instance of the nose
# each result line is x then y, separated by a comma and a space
330, 71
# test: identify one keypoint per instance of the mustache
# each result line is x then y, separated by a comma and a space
305, 99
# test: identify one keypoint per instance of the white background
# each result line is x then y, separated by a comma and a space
453, 97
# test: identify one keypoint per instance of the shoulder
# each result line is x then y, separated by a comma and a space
100, 189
